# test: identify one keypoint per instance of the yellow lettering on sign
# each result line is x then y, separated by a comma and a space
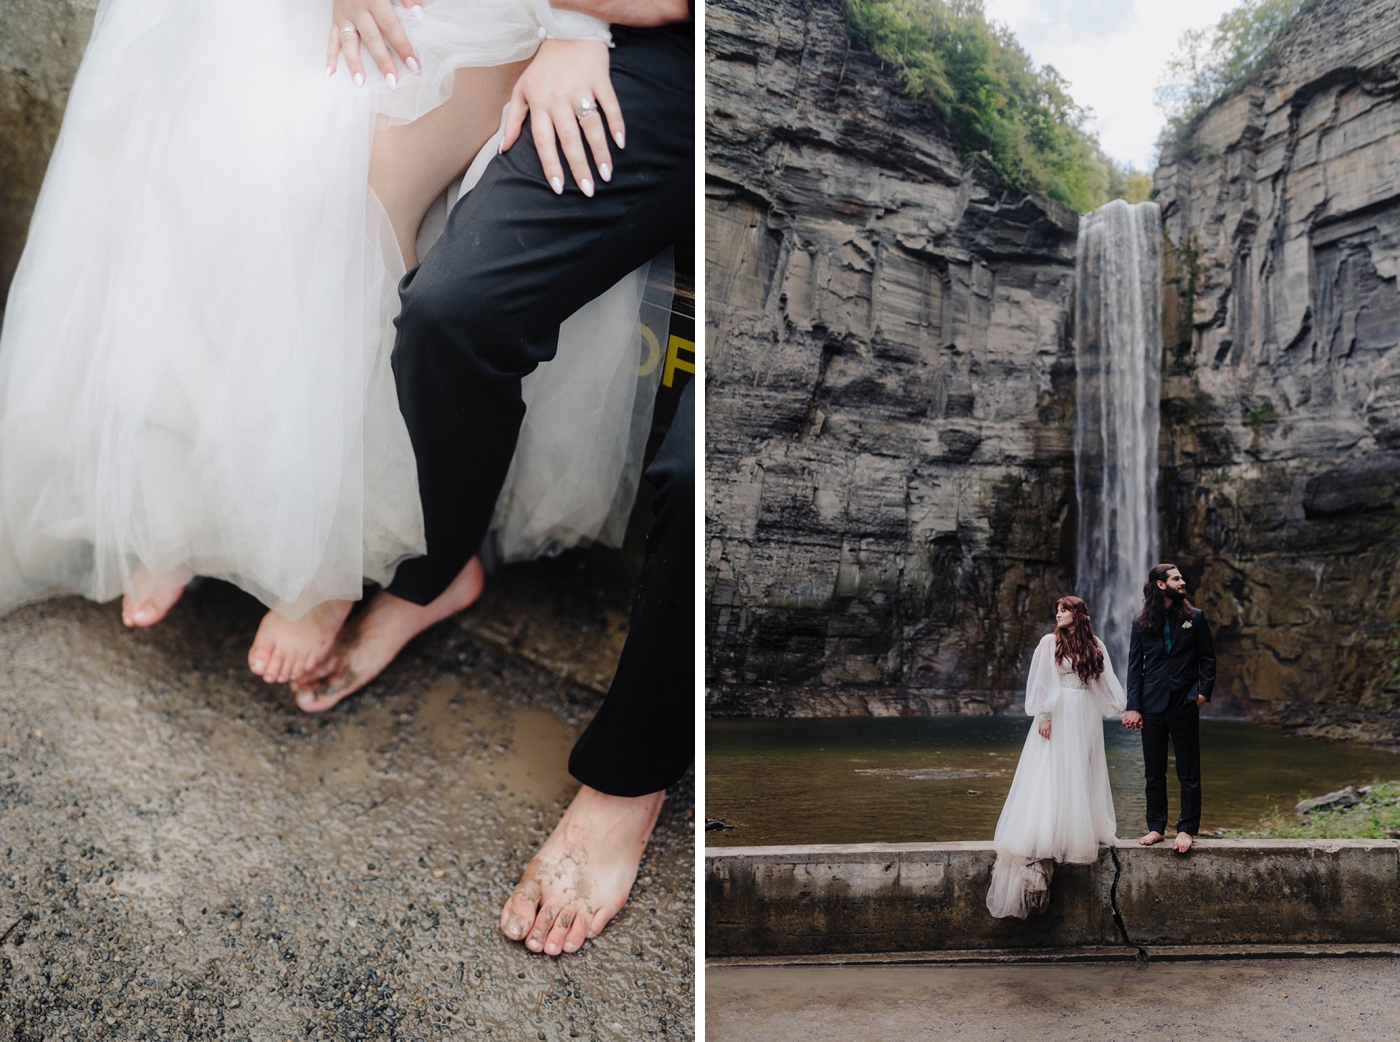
674, 347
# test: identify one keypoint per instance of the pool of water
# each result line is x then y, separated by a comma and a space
940, 779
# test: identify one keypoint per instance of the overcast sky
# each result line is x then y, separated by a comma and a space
1112, 53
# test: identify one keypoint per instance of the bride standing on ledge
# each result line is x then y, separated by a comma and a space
1060, 807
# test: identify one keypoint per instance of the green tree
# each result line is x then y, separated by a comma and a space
996, 102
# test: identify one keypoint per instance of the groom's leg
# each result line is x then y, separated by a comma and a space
642, 738
1185, 724
1154, 763
484, 307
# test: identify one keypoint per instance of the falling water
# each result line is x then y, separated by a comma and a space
1118, 353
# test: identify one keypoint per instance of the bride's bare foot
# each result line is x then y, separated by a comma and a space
283, 650
371, 640
1183, 842
582, 875
152, 607
1152, 837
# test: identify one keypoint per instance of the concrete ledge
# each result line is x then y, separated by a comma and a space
887, 898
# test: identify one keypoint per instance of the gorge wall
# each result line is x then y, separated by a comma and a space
890, 475
891, 383
1280, 488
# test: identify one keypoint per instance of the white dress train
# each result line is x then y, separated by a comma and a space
194, 364
1060, 807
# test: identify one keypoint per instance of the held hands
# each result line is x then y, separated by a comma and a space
1132, 720
373, 23
564, 74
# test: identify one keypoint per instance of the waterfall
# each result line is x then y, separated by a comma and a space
1118, 354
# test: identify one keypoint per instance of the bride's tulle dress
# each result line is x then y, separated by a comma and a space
194, 365
1060, 807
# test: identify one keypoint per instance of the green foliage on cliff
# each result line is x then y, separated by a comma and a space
1210, 64
996, 102
1377, 816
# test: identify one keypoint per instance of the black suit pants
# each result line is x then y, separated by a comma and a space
483, 309
1182, 725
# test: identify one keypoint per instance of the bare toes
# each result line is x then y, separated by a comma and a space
554, 943
543, 921
520, 909
578, 932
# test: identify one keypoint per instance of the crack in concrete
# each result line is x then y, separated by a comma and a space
1118, 912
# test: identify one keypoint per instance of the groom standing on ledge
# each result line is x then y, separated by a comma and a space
1171, 671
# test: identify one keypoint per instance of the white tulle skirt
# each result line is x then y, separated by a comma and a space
194, 365
1059, 809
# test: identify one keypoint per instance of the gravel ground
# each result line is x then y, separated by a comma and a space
188, 856
1319, 1000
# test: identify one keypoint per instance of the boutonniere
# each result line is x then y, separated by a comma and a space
1186, 625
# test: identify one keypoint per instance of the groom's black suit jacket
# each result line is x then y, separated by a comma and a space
1158, 681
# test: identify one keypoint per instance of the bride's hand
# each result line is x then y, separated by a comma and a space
1044, 728
563, 74
371, 22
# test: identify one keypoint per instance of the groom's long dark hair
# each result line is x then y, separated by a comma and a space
1156, 604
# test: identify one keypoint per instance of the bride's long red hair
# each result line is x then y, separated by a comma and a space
1076, 641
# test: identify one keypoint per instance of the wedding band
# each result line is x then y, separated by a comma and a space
349, 29
587, 107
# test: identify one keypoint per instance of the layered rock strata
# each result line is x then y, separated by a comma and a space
890, 492
1280, 484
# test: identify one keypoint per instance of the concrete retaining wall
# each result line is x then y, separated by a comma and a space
877, 897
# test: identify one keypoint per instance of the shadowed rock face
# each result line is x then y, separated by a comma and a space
1281, 412
890, 469
41, 43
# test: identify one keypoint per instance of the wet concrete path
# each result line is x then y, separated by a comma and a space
185, 855
1318, 1000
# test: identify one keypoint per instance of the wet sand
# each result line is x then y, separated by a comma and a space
187, 855
1321, 1000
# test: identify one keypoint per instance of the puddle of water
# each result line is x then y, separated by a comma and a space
938, 779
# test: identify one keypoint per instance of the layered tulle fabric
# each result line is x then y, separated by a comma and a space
194, 366
1060, 807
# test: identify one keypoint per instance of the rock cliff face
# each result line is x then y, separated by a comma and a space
41, 43
890, 471
1281, 413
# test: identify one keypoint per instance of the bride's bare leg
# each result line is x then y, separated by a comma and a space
412, 163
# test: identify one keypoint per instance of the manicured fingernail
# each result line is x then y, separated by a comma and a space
359, 79
392, 80
621, 139
605, 172
587, 187
557, 185
330, 70
412, 63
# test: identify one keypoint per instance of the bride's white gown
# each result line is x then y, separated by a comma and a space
1060, 807
194, 365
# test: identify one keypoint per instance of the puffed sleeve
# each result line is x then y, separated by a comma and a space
1043, 682
1111, 694
558, 24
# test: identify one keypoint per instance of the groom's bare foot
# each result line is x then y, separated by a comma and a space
1183, 842
283, 650
373, 638
1152, 837
151, 606
582, 875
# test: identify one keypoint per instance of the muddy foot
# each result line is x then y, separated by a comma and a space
283, 650
371, 640
582, 875
151, 602
1152, 837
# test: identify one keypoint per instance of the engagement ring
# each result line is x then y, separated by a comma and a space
349, 29
587, 107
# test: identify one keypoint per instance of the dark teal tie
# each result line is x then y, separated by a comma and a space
1167, 634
